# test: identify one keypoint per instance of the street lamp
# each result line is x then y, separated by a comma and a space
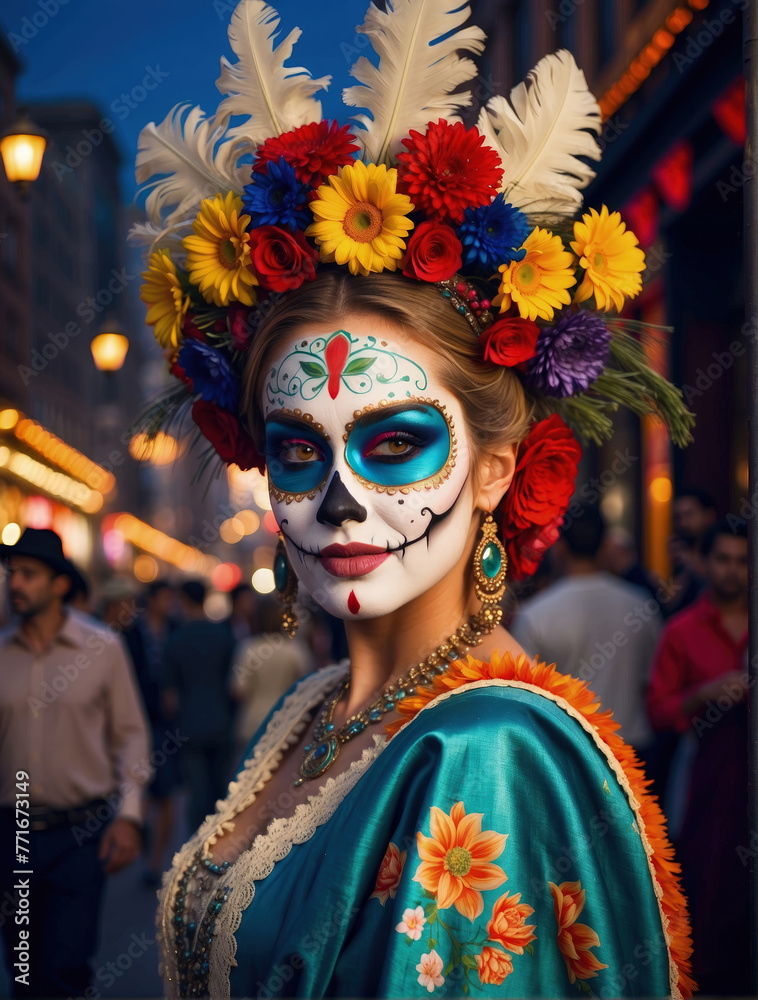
21, 147
109, 347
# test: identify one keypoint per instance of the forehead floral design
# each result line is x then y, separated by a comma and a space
241, 214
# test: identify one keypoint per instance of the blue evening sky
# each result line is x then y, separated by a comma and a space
100, 50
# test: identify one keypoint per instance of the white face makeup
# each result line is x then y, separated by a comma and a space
368, 464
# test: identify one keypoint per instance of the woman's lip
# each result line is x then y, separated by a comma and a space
351, 549
354, 565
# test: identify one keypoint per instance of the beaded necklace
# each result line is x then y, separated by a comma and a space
319, 755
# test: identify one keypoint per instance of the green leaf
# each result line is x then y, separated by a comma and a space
431, 895
448, 968
529, 948
432, 915
432, 942
358, 366
313, 369
465, 988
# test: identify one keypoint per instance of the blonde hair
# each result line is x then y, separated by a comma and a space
494, 404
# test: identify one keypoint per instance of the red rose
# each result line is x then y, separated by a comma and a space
434, 253
228, 437
510, 341
527, 549
281, 260
542, 486
240, 326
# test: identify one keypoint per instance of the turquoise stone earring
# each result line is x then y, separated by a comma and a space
490, 564
285, 582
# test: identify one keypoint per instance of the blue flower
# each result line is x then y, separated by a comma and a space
211, 373
569, 355
492, 235
276, 198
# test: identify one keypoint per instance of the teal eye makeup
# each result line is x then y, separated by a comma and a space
400, 445
298, 458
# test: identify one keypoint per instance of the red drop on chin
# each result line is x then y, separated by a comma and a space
352, 604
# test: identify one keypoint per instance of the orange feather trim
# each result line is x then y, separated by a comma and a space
582, 699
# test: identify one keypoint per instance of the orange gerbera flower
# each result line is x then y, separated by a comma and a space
456, 860
508, 926
574, 940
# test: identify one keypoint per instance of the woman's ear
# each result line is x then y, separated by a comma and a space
494, 475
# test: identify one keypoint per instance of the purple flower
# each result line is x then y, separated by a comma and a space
569, 355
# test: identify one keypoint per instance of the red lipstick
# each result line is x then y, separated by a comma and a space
352, 560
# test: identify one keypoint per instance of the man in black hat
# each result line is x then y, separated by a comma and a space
74, 759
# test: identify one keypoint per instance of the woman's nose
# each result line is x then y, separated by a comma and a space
339, 505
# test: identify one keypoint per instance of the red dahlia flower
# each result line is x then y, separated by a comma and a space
448, 170
314, 151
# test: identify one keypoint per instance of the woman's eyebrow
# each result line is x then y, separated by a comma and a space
374, 416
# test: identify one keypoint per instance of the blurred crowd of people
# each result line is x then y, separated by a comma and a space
123, 712
670, 659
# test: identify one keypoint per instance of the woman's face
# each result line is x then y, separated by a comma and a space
368, 464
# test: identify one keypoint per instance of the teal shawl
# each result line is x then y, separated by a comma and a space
492, 847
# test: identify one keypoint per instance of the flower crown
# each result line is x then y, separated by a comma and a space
241, 214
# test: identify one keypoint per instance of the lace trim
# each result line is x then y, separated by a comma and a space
615, 766
284, 728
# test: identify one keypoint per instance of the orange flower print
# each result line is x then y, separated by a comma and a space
390, 872
455, 860
574, 939
493, 965
508, 926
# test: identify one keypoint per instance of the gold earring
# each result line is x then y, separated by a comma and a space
285, 581
490, 565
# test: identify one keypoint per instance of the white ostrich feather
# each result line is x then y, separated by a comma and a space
275, 98
154, 237
413, 82
187, 151
541, 133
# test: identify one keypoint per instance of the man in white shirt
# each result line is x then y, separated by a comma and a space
595, 627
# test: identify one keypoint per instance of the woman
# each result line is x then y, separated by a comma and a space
438, 813
459, 852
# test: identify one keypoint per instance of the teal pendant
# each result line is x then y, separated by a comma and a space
491, 560
322, 756
281, 572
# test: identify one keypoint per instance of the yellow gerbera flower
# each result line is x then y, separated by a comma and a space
162, 293
361, 221
612, 259
218, 254
538, 283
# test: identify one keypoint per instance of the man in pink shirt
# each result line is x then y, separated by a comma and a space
74, 759
700, 684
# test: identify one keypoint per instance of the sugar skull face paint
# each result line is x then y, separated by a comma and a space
368, 466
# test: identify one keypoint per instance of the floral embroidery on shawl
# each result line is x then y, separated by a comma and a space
582, 700
574, 940
457, 867
390, 873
